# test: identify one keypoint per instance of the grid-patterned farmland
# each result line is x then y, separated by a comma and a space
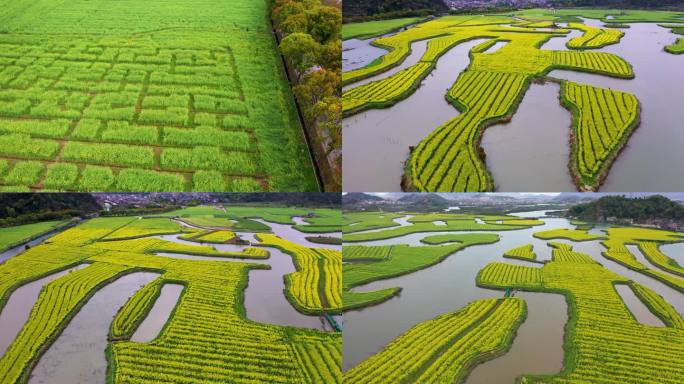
139, 117
146, 96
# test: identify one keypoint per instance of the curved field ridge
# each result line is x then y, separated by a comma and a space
133, 312
454, 222
11, 237
617, 251
490, 90
56, 304
603, 341
603, 119
316, 287
446, 348
659, 306
570, 234
593, 37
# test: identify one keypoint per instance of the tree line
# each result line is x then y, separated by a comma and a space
311, 42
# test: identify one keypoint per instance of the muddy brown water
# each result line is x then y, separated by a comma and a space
78, 354
450, 285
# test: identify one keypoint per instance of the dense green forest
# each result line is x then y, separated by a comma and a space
638, 209
360, 9
24, 208
309, 32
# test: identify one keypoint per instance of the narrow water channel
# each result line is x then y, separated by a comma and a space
535, 140
674, 251
377, 141
18, 307
78, 354
9, 253
636, 251
288, 232
359, 53
525, 355
638, 309
160, 313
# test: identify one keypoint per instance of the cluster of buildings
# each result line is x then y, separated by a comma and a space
486, 4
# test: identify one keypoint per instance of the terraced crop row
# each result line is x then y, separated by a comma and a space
365, 253
154, 245
593, 37
216, 237
604, 343
132, 313
384, 93
388, 91
570, 234
447, 160
317, 285
145, 227
617, 251
658, 305
602, 121
511, 274
418, 227
652, 252
524, 253
446, 348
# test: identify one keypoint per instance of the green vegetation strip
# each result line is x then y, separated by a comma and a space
523, 253
367, 264
11, 237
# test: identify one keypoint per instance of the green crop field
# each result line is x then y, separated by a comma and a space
368, 29
146, 96
208, 337
12, 236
